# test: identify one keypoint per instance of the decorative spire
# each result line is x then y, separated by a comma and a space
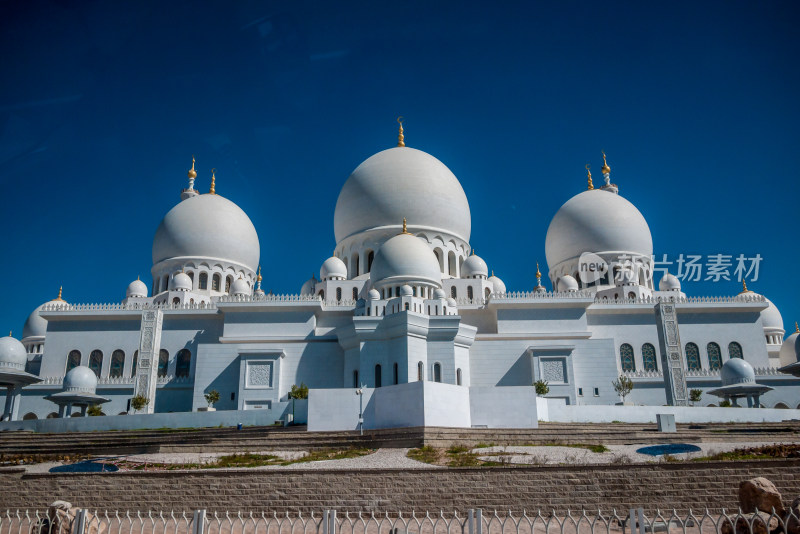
796, 328
137, 278
59, 293
405, 227
400, 139
606, 169
10, 333
192, 175
744, 286
492, 272
589, 174
538, 274
213, 191
258, 278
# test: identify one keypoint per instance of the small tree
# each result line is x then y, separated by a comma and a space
725, 404
542, 388
695, 395
212, 397
94, 410
299, 392
623, 386
138, 402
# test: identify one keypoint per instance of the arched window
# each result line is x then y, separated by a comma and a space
355, 379
354, 266
228, 282
378, 376
420, 372
191, 277
714, 356
203, 281
649, 357
216, 281
453, 292
30, 416
370, 257
165, 283
73, 360
322, 294
406, 306
437, 372
396, 374
632, 295
134, 361
355, 293
451, 264
438, 253
338, 293
735, 350
693, 357
458, 377
183, 361
626, 358
163, 363
176, 301
488, 292
96, 361
470, 294
117, 363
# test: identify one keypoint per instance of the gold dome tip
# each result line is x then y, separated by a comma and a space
59, 293
606, 169
589, 174
744, 288
258, 278
405, 227
400, 138
538, 274
213, 191
10, 332
492, 272
192, 172
796, 328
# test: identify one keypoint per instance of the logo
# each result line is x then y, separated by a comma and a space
591, 268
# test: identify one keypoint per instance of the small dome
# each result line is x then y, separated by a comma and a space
240, 287
439, 294
373, 294
737, 371
406, 291
308, 286
540, 289
80, 378
408, 258
332, 268
181, 282
136, 289
771, 318
35, 324
567, 283
669, 282
596, 221
451, 302
12, 353
497, 285
790, 350
474, 266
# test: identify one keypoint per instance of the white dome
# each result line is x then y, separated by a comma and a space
790, 350
181, 282
405, 257
373, 294
474, 266
402, 182
439, 293
35, 324
737, 371
333, 267
669, 282
207, 227
596, 221
240, 287
136, 289
12, 353
451, 302
80, 378
771, 317
497, 285
567, 283
406, 291
308, 286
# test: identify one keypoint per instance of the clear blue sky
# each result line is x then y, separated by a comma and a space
102, 105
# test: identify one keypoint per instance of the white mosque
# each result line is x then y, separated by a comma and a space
402, 305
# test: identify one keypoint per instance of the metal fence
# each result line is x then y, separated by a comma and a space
634, 521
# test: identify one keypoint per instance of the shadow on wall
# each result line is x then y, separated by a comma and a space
519, 374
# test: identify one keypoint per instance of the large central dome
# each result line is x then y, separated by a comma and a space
402, 182
207, 227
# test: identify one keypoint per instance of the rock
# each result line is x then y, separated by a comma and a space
60, 518
759, 494
760, 521
792, 518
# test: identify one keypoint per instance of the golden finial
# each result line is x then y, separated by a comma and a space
400, 139
405, 227
744, 286
538, 274
137, 277
796, 328
10, 332
606, 169
589, 174
258, 278
192, 172
59, 293
492, 272
212, 191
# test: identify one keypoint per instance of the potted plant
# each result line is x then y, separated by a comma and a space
695, 395
94, 410
623, 386
138, 402
542, 388
212, 397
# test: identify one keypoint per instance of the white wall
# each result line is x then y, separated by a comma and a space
507, 407
647, 414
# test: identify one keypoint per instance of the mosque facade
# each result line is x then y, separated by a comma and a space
402, 299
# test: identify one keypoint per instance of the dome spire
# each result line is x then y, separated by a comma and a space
589, 174
190, 191
213, 191
538, 275
405, 227
744, 287
606, 170
400, 139
59, 293
796, 328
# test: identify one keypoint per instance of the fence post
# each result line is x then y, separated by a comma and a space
199, 522
79, 523
332, 519
471, 521
640, 511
